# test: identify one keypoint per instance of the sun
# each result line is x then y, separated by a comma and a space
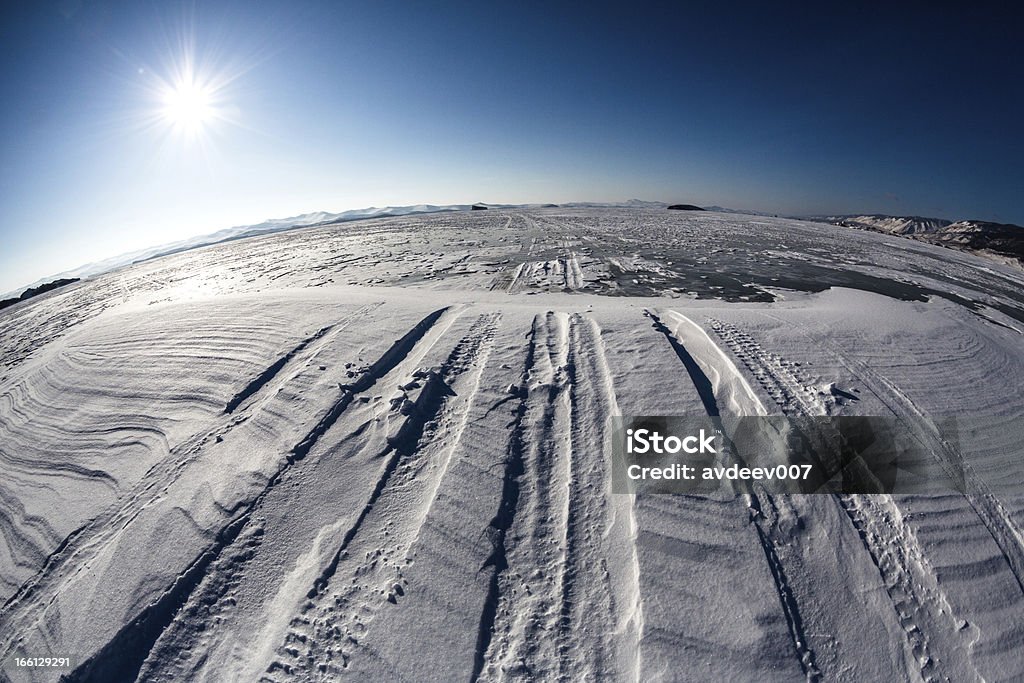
188, 105
189, 101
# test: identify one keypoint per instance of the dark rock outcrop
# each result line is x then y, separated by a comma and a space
36, 291
1004, 239
685, 207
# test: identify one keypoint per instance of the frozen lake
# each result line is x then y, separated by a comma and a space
379, 451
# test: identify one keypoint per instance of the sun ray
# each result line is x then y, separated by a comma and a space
188, 104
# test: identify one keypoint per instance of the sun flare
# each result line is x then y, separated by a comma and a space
188, 104
190, 100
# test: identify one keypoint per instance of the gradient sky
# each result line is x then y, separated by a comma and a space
333, 105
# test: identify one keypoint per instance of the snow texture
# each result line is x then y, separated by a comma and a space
379, 450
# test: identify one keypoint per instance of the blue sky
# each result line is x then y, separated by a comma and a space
329, 106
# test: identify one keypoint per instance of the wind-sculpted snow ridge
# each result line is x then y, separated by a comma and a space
381, 451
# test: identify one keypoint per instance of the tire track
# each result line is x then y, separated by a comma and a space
600, 579
762, 509
503, 520
366, 571
510, 282
272, 371
572, 272
564, 601
781, 380
993, 514
527, 612
922, 609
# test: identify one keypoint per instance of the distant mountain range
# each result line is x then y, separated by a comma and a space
896, 225
1000, 241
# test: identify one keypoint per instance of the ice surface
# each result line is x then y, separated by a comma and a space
379, 450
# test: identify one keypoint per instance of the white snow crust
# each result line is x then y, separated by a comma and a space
378, 450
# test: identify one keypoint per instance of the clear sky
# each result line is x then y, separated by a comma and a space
130, 124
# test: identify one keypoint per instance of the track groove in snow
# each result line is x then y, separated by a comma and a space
529, 590
124, 655
277, 453
366, 571
991, 511
503, 520
560, 514
601, 610
758, 503
916, 596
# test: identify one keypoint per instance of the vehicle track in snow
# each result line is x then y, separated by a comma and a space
499, 529
1006, 533
600, 575
760, 505
527, 613
922, 608
90, 539
366, 571
564, 545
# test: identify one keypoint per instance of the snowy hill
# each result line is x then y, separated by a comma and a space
896, 225
1003, 239
999, 241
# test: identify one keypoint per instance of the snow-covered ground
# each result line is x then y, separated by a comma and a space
380, 451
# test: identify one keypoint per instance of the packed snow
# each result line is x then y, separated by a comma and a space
379, 450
